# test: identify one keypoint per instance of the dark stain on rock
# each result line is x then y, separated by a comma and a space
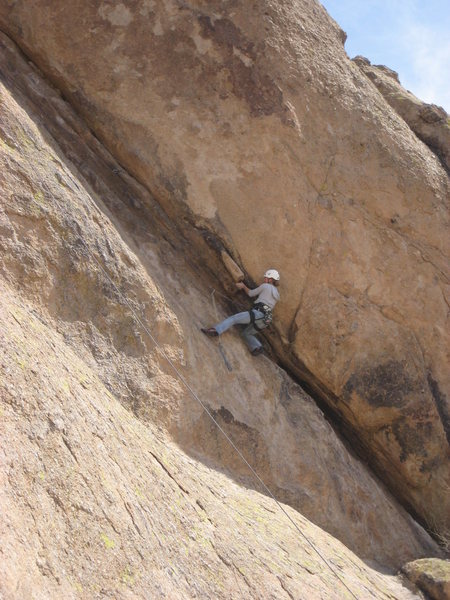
226, 416
256, 88
386, 385
241, 434
441, 403
249, 82
411, 439
248, 439
212, 239
292, 408
225, 33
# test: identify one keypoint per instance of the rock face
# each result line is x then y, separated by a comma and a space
429, 122
96, 504
249, 125
114, 482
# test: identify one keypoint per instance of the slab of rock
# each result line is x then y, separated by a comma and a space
431, 575
248, 121
109, 507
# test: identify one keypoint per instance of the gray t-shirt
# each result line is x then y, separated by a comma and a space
267, 294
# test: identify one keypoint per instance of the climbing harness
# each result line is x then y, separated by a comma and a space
266, 319
196, 397
260, 306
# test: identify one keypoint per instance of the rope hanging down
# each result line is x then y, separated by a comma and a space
195, 396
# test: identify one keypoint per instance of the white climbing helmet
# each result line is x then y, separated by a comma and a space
272, 274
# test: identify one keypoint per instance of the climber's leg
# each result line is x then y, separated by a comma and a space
242, 318
249, 335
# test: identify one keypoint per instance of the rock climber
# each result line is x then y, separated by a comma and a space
258, 317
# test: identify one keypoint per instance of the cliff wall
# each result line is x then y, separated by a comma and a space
253, 130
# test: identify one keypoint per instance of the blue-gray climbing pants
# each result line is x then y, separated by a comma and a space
249, 332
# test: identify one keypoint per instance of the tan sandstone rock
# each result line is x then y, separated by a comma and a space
248, 121
96, 497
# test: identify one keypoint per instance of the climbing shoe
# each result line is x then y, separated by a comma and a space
257, 351
211, 332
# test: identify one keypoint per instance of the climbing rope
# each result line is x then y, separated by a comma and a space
202, 404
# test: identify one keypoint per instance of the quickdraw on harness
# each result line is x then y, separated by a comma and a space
266, 319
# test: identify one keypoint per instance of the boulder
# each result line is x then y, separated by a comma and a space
431, 575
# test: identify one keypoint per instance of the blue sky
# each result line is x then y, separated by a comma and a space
411, 37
